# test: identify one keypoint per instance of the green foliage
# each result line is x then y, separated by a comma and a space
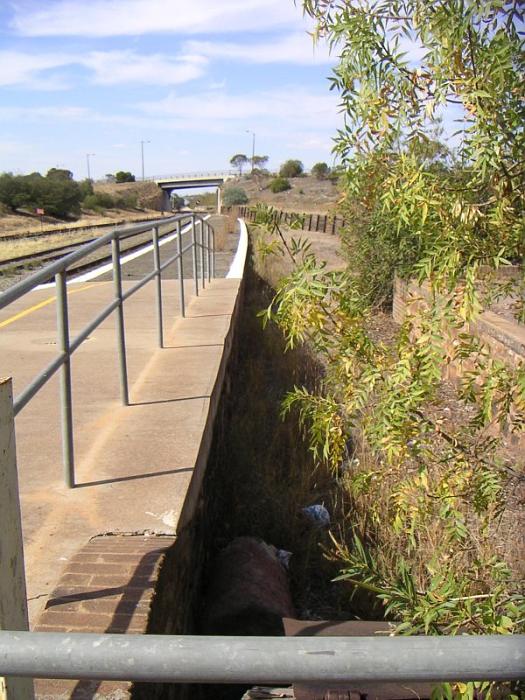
59, 174
124, 176
320, 171
426, 501
57, 193
233, 196
86, 188
259, 162
279, 184
239, 160
291, 168
99, 201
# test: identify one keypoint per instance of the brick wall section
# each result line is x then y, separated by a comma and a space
108, 586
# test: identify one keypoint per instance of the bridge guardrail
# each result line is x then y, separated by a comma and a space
202, 238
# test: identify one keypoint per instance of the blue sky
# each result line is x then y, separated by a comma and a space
99, 76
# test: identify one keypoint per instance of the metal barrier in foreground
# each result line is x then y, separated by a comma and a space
191, 659
202, 238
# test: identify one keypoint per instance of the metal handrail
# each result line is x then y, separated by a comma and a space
205, 241
272, 660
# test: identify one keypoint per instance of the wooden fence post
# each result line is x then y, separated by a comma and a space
13, 600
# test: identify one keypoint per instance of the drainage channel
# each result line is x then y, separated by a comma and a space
250, 557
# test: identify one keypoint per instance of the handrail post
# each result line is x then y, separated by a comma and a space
203, 277
213, 251
13, 596
208, 251
121, 338
181, 270
158, 278
194, 255
66, 400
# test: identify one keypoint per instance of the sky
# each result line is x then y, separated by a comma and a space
193, 79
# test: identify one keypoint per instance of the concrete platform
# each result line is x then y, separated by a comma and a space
137, 467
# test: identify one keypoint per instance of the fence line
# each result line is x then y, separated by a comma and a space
322, 223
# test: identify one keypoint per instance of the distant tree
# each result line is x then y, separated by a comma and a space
239, 160
86, 188
59, 174
58, 195
320, 171
109, 177
279, 184
234, 195
292, 168
124, 176
259, 161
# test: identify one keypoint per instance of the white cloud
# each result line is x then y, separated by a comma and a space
106, 67
20, 68
135, 17
288, 104
114, 67
297, 48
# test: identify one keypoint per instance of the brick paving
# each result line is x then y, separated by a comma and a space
107, 586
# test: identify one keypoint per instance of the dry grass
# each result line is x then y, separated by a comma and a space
307, 195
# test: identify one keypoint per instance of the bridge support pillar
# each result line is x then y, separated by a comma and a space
219, 200
166, 201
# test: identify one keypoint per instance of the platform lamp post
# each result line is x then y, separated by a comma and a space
88, 155
142, 155
249, 131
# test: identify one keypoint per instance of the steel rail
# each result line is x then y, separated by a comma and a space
193, 659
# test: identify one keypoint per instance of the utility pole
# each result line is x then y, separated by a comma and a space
87, 161
249, 131
142, 155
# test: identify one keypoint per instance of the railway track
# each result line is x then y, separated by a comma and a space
12, 266
71, 229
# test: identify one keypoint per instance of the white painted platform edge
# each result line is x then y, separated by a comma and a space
236, 270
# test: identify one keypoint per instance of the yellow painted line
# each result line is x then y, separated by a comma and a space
40, 305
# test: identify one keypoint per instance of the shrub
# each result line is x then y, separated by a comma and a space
320, 171
292, 168
126, 201
56, 195
98, 201
124, 176
279, 184
234, 195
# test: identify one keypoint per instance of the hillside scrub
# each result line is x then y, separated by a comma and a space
279, 184
57, 195
426, 499
233, 196
291, 168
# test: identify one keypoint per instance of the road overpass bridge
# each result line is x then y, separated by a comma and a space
182, 181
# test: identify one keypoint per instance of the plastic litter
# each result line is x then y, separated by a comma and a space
317, 515
284, 557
